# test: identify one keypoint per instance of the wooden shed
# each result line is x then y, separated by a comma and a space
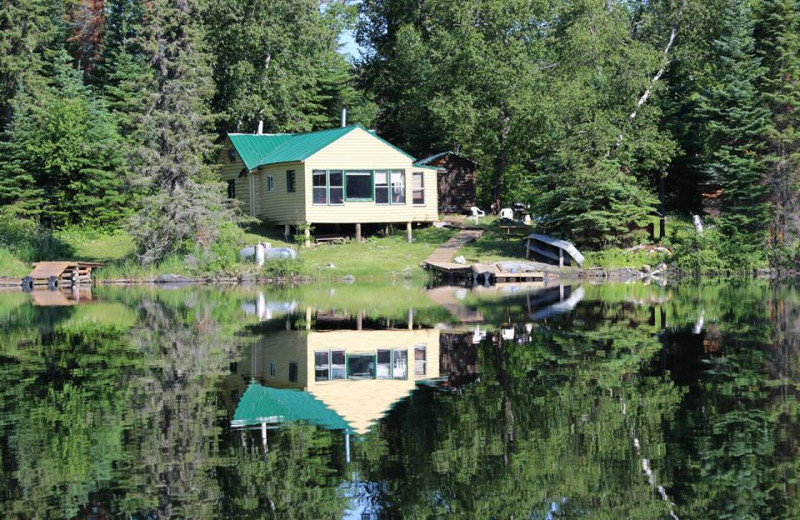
457, 175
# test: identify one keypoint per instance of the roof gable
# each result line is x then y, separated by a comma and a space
262, 149
266, 404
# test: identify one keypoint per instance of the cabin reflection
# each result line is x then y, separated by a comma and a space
349, 367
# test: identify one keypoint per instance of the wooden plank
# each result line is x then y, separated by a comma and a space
44, 270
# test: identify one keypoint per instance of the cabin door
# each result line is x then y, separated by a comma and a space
255, 194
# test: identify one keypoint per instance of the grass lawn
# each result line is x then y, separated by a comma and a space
376, 257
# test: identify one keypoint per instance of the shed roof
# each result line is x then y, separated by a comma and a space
428, 160
261, 404
263, 149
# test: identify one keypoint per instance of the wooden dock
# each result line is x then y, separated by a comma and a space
486, 274
440, 262
59, 274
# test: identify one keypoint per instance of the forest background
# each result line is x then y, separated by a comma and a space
112, 113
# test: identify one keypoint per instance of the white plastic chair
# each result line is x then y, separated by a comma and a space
477, 213
506, 214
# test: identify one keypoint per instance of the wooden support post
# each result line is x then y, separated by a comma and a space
360, 320
307, 234
358, 232
286, 231
409, 238
308, 318
560, 257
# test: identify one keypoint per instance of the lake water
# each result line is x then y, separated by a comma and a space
389, 401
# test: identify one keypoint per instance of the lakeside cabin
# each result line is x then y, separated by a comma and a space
343, 176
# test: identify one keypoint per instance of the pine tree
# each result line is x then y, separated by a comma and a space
778, 33
186, 205
735, 124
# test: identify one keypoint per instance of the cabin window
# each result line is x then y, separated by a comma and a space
273, 368
328, 187
418, 188
398, 187
400, 364
381, 187
322, 365
384, 359
390, 187
358, 185
270, 183
320, 179
293, 372
420, 360
336, 187
338, 364
290, 181
361, 366
232, 189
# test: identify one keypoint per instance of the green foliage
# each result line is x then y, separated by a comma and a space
778, 46
276, 61
61, 162
27, 241
736, 122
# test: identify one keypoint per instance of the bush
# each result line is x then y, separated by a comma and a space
30, 242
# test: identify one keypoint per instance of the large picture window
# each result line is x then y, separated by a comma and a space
418, 188
358, 185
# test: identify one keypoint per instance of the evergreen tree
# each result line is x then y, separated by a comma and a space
186, 205
62, 160
735, 123
27, 28
778, 33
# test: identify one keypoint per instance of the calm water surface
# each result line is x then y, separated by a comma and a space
390, 401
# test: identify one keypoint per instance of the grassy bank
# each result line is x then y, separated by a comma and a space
375, 258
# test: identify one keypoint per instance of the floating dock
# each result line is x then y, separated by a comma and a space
492, 274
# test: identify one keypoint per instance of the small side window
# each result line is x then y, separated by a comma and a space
293, 372
270, 183
232, 189
290, 181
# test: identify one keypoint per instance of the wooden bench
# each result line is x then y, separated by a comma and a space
518, 230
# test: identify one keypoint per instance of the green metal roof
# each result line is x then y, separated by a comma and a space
263, 149
261, 404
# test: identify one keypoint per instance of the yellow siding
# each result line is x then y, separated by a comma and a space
360, 150
363, 402
281, 349
279, 206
